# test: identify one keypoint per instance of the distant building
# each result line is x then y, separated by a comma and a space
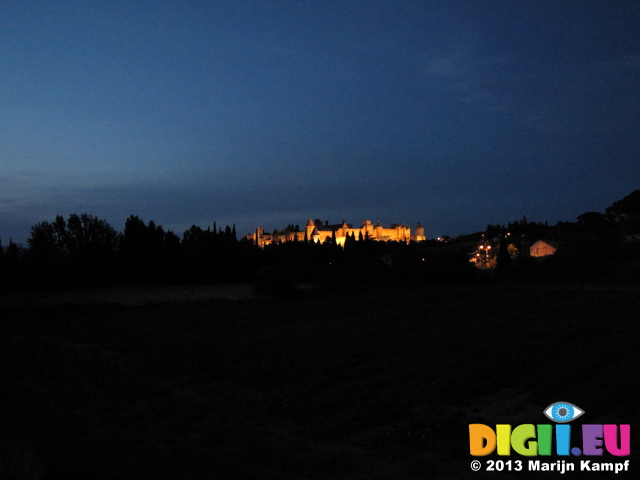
319, 232
542, 248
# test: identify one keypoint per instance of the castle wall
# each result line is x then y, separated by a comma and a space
397, 233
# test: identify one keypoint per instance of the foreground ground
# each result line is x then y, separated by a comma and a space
375, 385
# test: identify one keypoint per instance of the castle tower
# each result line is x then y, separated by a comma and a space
315, 235
367, 229
378, 230
341, 233
419, 235
257, 237
308, 230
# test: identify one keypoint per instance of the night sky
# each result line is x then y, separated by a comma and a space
457, 114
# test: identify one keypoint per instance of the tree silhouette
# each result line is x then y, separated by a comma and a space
626, 212
80, 250
10, 266
147, 253
91, 245
47, 258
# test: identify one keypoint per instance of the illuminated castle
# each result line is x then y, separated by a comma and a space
319, 232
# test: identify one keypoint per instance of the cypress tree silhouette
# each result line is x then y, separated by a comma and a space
11, 266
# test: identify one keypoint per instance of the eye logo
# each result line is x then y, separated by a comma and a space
563, 412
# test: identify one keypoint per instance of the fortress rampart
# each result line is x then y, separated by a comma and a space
318, 232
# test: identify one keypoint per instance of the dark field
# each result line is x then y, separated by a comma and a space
376, 385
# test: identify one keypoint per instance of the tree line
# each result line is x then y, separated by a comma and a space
596, 246
84, 250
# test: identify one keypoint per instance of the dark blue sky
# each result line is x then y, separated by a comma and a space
456, 114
